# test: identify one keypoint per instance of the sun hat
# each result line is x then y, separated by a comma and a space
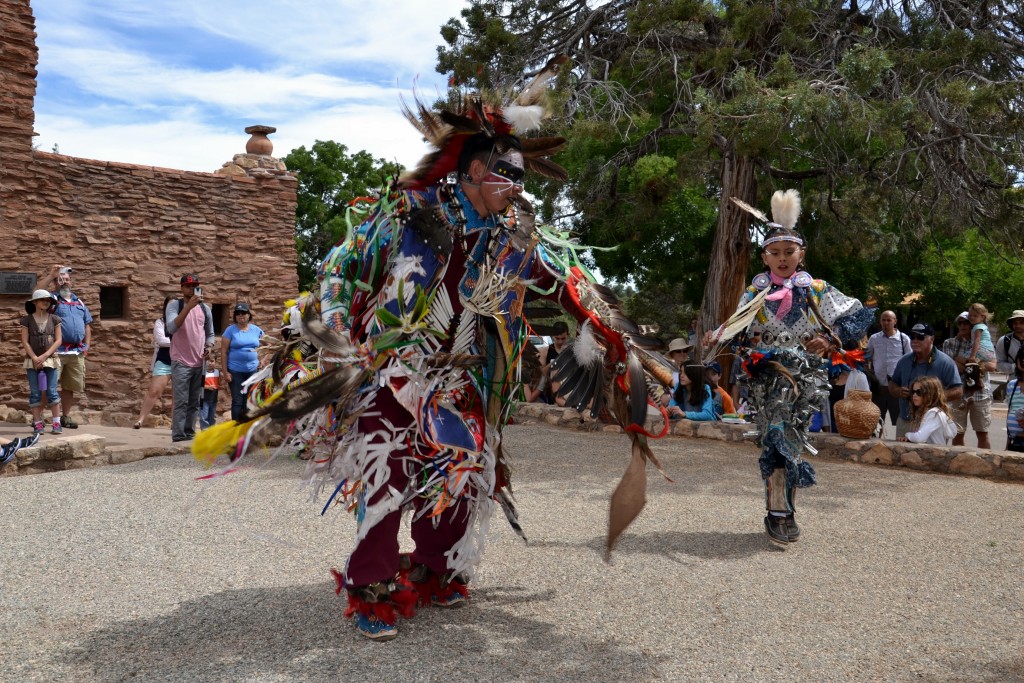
1019, 313
36, 296
679, 344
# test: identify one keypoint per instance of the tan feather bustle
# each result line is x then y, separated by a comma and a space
786, 208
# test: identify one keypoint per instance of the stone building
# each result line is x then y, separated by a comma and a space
129, 232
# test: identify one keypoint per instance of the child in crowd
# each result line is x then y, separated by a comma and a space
723, 401
929, 416
692, 397
983, 349
40, 338
208, 403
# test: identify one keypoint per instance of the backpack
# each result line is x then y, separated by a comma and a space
181, 302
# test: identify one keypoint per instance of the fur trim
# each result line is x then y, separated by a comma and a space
523, 119
786, 208
400, 602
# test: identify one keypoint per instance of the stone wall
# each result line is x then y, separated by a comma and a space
127, 227
945, 459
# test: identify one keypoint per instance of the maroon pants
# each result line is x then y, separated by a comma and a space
375, 558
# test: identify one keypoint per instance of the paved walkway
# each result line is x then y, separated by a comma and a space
140, 572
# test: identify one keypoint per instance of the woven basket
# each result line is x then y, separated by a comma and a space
856, 416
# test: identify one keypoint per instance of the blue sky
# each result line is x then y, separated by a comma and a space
174, 83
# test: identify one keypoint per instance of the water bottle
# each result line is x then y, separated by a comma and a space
42, 380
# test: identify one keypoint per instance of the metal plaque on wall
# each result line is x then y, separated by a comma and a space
17, 283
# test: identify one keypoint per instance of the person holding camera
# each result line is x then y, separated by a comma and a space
1010, 347
1010, 359
189, 324
976, 404
76, 328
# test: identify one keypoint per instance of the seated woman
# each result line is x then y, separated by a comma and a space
692, 397
929, 415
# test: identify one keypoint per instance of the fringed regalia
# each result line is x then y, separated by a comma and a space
411, 367
788, 384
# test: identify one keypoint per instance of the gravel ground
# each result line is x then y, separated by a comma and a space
138, 572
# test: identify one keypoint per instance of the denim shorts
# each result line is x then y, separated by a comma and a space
160, 369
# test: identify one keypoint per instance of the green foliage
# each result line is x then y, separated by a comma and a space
329, 178
902, 124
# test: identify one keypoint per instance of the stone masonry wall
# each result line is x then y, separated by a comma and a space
126, 226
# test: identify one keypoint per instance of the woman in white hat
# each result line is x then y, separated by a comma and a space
40, 337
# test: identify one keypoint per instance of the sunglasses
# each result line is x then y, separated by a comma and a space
918, 336
917, 392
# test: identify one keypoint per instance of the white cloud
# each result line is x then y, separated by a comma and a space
106, 93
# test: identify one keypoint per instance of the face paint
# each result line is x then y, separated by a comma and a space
507, 170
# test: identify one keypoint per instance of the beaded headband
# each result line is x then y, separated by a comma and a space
782, 238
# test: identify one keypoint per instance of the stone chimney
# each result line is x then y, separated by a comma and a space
257, 160
18, 59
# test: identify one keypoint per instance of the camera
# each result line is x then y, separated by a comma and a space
65, 269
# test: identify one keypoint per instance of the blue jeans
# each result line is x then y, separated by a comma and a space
208, 408
35, 395
238, 394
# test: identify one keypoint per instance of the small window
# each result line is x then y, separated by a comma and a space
220, 318
113, 302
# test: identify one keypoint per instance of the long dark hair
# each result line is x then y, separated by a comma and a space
698, 389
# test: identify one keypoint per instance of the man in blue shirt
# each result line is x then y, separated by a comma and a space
923, 360
76, 334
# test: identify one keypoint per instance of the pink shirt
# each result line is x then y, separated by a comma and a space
189, 340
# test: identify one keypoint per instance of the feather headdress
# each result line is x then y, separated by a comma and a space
447, 131
786, 208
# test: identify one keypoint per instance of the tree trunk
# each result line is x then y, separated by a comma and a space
730, 255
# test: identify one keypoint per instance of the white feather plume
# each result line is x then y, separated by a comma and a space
786, 208
523, 119
586, 348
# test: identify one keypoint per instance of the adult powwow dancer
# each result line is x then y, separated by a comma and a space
411, 364
800, 319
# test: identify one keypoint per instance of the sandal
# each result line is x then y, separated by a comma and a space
137, 425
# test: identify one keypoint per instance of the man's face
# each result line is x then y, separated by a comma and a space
500, 182
187, 291
677, 357
888, 323
963, 328
921, 344
560, 339
1018, 327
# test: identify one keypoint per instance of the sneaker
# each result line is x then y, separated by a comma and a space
792, 530
39, 427
55, 428
776, 528
66, 421
374, 628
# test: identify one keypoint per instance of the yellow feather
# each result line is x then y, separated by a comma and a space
218, 440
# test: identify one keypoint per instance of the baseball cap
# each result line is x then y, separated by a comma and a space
923, 328
189, 279
715, 366
963, 315
242, 307
679, 344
